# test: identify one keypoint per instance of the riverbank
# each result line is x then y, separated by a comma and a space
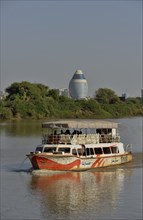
73, 109
34, 101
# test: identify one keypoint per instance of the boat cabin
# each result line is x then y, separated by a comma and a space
79, 150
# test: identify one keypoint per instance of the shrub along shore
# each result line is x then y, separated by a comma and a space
27, 100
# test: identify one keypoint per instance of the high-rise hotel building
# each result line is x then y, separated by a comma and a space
78, 87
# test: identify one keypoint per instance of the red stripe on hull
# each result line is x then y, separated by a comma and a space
97, 162
45, 163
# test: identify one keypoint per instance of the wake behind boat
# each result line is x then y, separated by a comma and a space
79, 145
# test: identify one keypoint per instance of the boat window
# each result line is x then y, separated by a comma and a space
98, 150
104, 131
106, 150
39, 149
89, 151
49, 149
64, 149
114, 150
74, 152
79, 151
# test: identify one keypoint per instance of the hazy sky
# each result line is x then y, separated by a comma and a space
47, 41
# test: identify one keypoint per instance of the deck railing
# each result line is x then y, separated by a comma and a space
79, 139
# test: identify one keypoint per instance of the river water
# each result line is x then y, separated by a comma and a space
111, 193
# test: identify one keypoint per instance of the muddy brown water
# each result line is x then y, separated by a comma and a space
107, 193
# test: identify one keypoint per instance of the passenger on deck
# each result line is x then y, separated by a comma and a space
76, 132
62, 132
67, 132
56, 137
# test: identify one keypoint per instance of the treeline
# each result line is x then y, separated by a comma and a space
36, 101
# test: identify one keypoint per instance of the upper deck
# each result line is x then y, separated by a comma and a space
79, 132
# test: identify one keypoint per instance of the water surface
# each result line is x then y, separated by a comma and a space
108, 193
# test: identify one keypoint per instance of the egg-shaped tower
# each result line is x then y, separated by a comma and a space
78, 87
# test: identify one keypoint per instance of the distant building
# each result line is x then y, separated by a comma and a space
78, 87
123, 97
3, 95
63, 92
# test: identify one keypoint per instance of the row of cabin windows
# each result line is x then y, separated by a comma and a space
79, 151
93, 151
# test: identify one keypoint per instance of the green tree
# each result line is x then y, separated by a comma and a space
54, 94
26, 91
27, 99
5, 112
106, 96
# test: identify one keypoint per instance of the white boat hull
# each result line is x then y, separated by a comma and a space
62, 162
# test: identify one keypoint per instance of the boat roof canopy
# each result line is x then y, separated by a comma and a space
80, 124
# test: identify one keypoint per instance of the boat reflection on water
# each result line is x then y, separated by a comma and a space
75, 193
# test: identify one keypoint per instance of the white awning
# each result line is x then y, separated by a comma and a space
80, 123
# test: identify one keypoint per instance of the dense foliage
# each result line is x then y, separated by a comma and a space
106, 96
37, 101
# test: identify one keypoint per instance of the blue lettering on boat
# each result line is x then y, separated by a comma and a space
114, 161
85, 163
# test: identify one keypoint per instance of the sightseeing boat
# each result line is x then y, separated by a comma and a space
79, 145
